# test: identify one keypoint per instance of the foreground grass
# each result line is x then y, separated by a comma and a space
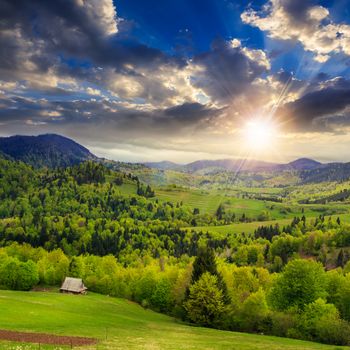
120, 324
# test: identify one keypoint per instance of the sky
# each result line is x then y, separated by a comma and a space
183, 80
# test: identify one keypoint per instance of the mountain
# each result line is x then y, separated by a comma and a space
163, 165
227, 164
53, 151
326, 172
242, 165
304, 164
48, 150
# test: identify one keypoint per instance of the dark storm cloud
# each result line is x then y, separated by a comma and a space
111, 116
321, 109
43, 32
298, 9
190, 112
228, 70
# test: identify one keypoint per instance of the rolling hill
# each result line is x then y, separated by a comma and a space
119, 324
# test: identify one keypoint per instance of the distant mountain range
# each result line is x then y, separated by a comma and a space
53, 150
212, 166
48, 150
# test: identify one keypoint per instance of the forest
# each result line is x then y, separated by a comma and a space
290, 280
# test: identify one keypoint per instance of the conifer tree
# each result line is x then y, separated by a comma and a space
205, 262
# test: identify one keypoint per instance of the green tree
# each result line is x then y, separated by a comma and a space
18, 275
301, 283
76, 267
205, 262
161, 298
220, 212
344, 299
254, 311
205, 303
27, 275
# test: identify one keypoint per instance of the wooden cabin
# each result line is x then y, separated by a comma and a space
73, 285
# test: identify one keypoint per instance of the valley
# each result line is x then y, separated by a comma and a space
165, 253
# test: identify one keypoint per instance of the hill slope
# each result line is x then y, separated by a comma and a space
124, 324
45, 150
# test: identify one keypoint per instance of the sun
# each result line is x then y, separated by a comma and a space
259, 135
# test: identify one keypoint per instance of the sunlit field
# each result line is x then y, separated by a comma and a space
119, 324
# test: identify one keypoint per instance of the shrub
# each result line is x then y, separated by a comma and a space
321, 322
278, 323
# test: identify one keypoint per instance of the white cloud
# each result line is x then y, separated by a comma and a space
102, 12
94, 92
312, 27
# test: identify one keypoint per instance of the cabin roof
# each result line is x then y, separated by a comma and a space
71, 284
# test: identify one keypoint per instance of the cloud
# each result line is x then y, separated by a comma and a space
302, 21
228, 69
324, 107
102, 12
48, 42
72, 67
122, 119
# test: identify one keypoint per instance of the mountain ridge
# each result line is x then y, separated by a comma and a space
47, 150
237, 164
53, 150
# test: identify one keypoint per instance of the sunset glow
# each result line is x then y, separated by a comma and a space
259, 135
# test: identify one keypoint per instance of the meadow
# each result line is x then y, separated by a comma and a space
120, 324
238, 201
250, 227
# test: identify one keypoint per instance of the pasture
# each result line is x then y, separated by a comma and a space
120, 324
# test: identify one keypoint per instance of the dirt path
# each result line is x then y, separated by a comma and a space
43, 338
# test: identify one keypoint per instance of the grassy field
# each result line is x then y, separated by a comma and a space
120, 324
250, 227
208, 201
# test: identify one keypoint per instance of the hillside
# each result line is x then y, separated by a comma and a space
126, 239
124, 324
45, 150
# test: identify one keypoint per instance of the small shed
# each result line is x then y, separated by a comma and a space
73, 285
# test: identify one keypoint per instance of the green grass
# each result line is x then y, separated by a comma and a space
207, 201
126, 325
127, 188
250, 227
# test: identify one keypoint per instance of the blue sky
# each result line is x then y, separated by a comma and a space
180, 80
194, 25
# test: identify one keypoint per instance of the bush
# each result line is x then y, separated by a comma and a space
278, 323
334, 331
321, 322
